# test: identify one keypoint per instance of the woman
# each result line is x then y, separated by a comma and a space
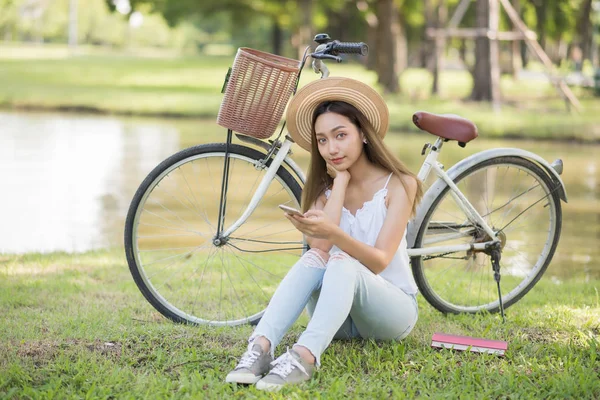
355, 280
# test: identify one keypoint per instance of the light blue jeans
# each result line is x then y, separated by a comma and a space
344, 300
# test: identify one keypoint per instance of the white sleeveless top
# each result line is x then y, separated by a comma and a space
365, 227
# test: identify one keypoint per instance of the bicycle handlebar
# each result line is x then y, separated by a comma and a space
338, 47
335, 47
331, 49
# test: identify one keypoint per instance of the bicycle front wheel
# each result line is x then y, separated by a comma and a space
171, 227
519, 201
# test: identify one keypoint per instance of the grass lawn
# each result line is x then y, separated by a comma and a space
76, 326
190, 87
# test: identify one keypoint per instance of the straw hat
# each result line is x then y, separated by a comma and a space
302, 106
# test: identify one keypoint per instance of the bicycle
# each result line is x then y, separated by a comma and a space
499, 204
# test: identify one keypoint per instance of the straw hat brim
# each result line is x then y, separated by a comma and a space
302, 106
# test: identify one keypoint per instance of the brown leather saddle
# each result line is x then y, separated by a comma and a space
446, 126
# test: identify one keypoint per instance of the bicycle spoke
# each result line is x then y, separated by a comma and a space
209, 258
235, 291
480, 284
249, 195
271, 234
509, 210
174, 272
168, 258
452, 215
264, 227
191, 203
221, 289
262, 269
510, 201
250, 274
522, 212
203, 216
169, 210
271, 196
154, 236
173, 229
211, 177
168, 265
169, 193
172, 248
156, 215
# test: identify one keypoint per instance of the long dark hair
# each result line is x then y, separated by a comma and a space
376, 151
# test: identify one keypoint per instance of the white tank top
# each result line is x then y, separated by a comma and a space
365, 227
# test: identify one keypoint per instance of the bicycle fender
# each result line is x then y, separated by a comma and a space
457, 169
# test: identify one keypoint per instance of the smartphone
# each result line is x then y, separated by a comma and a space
291, 210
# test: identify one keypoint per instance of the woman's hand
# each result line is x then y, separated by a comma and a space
315, 223
338, 176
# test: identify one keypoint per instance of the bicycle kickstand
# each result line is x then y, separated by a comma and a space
496, 254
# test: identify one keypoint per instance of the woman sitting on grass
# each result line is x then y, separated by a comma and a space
355, 280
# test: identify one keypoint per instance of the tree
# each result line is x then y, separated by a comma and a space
482, 78
585, 29
243, 15
9, 19
305, 28
387, 36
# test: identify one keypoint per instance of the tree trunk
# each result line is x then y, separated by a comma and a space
276, 37
387, 63
516, 60
482, 77
365, 9
426, 43
522, 43
541, 7
585, 30
462, 53
440, 44
372, 42
401, 42
73, 24
305, 31
428, 46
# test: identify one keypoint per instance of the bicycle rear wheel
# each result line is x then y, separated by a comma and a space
172, 222
517, 199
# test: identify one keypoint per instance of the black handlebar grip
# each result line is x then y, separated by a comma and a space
350, 48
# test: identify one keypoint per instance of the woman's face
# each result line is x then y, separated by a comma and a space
339, 141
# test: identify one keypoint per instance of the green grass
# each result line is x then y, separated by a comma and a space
76, 326
98, 81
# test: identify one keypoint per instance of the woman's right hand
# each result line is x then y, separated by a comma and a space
343, 176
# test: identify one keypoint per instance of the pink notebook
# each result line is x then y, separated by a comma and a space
442, 340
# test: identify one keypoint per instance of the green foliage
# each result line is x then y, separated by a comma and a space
246, 22
190, 87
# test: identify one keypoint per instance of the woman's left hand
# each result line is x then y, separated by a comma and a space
315, 223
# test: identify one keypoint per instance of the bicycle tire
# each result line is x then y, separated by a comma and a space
437, 294
180, 164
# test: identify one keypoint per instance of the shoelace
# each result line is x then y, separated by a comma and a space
248, 358
285, 364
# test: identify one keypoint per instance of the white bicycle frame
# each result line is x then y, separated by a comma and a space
471, 213
429, 164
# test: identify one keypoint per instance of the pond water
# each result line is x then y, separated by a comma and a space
66, 180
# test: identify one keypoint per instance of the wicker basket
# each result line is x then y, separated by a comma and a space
257, 92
